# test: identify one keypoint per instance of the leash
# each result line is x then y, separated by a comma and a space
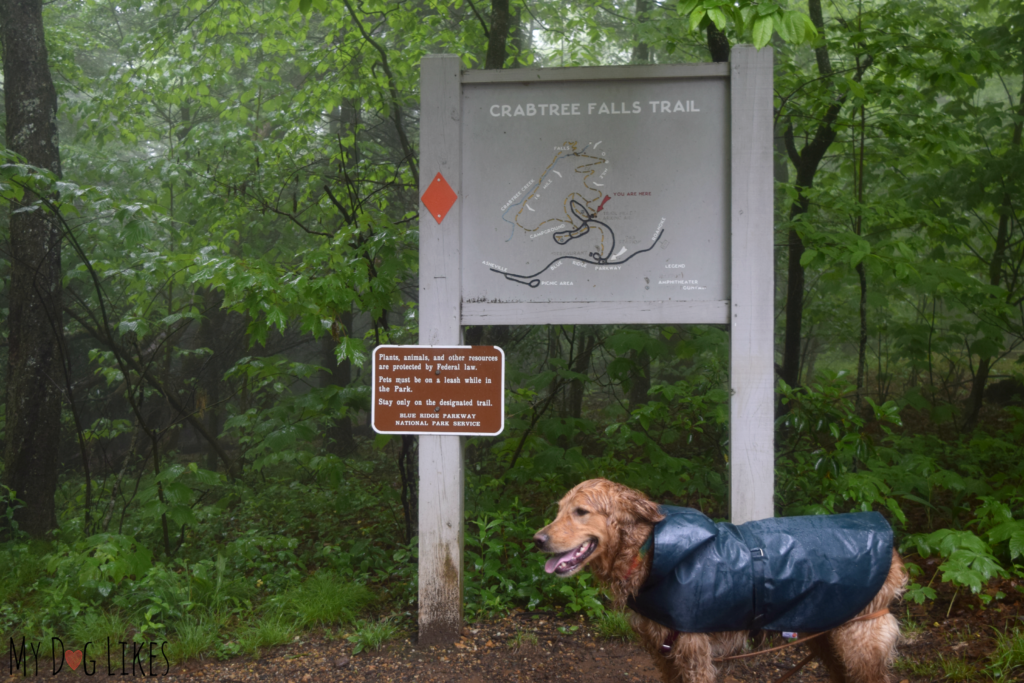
806, 660
864, 617
667, 645
803, 662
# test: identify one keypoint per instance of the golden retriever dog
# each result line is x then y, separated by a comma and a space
605, 526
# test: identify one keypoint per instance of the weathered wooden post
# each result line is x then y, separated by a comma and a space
441, 476
752, 306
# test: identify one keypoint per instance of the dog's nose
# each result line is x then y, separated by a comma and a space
540, 539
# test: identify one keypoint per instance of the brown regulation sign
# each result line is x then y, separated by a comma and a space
438, 390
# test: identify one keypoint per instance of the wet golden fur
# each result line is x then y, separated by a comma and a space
620, 519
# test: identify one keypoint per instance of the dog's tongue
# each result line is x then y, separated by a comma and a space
553, 561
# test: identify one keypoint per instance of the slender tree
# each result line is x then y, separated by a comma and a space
497, 37
807, 161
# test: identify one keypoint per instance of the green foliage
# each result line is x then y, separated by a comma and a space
833, 454
929, 669
370, 635
264, 634
501, 570
101, 627
325, 599
918, 594
957, 668
193, 636
522, 639
750, 21
504, 571
1006, 534
614, 625
1008, 659
968, 559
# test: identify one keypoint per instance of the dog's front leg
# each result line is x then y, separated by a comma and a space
687, 661
691, 659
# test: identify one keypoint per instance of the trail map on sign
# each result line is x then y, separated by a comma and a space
595, 192
565, 205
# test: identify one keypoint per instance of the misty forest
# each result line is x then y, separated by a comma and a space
209, 215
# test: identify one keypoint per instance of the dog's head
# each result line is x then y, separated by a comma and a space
594, 519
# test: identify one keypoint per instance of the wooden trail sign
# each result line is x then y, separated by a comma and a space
456, 390
627, 194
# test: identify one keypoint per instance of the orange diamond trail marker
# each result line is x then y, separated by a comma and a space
439, 198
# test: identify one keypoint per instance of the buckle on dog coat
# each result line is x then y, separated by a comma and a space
670, 640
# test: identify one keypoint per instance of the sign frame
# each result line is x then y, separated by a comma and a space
749, 310
374, 386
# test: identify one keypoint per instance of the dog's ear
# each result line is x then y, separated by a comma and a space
632, 507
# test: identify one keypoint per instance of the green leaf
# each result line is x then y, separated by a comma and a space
696, 17
181, 515
807, 257
810, 29
718, 16
304, 6
794, 22
1017, 544
687, 7
968, 79
856, 88
919, 594
762, 31
783, 29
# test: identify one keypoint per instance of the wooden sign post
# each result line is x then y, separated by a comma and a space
594, 196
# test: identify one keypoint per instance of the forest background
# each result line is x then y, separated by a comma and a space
212, 221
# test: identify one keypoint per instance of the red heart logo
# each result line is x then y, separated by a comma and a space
73, 658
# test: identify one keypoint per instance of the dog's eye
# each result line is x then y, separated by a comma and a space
579, 512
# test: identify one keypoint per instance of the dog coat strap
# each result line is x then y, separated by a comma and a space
759, 564
761, 572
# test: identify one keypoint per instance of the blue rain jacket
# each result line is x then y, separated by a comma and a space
784, 574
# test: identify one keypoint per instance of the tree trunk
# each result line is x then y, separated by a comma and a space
213, 335
340, 432
718, 44
806, 162
794, 304
862, 342
811, 351
862, 275
35, 321
498, 35
581, 364
642, 51
640, 386
554, 351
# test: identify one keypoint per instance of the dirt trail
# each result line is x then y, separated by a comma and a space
544, 647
